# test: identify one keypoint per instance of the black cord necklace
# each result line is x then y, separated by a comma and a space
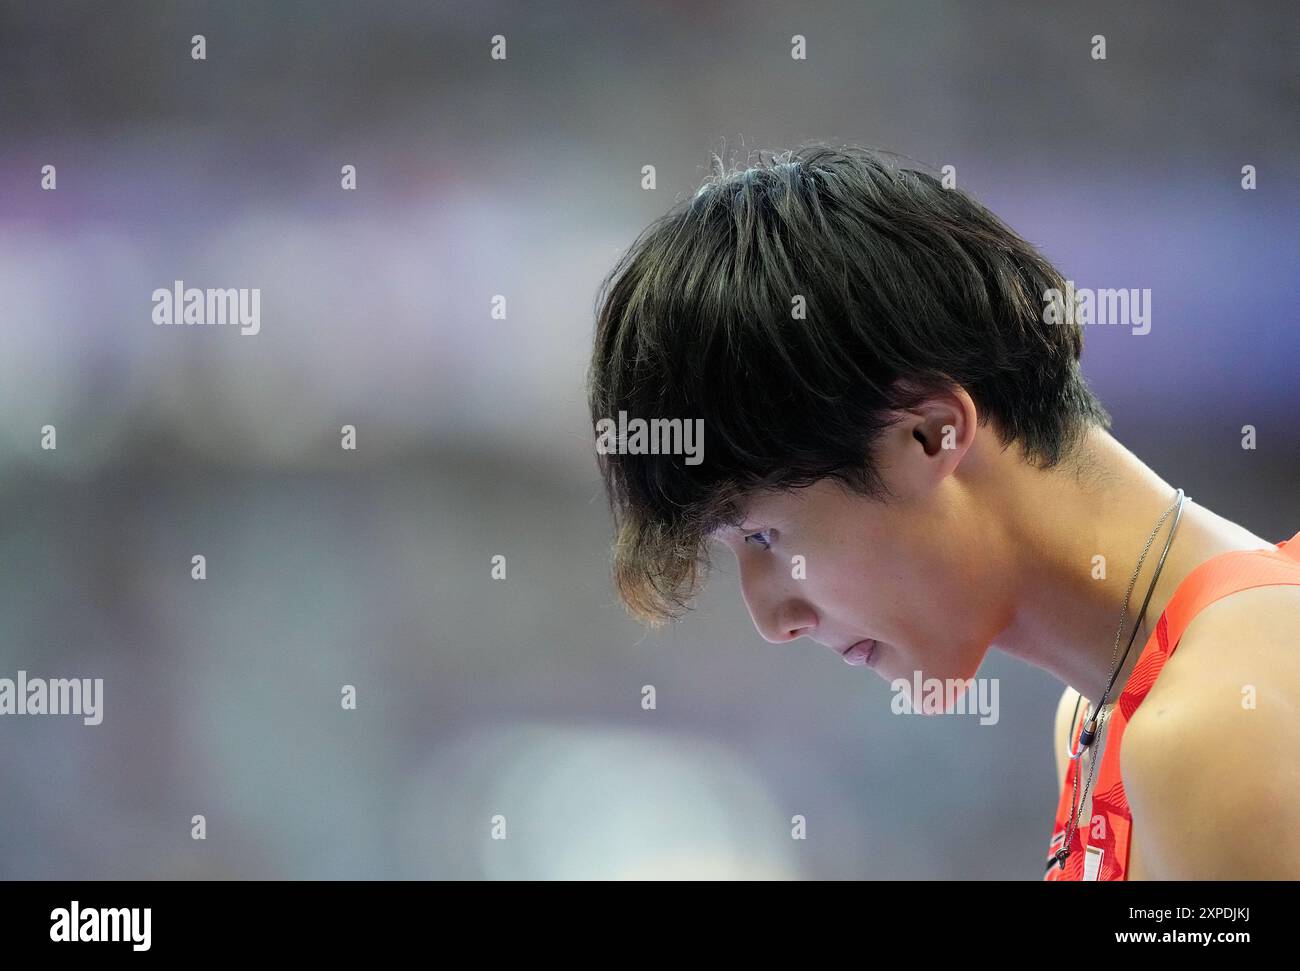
1093, 724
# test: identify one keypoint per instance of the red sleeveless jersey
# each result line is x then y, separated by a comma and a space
1099, 849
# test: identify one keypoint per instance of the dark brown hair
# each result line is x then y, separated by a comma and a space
908, 287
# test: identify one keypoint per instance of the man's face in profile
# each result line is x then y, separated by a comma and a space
909, 574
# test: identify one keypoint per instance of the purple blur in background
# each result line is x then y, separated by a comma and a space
521, 698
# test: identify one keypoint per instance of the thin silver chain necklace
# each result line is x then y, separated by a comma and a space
1094, 726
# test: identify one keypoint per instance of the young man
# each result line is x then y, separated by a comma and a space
904, 458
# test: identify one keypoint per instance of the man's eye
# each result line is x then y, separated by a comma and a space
763, 538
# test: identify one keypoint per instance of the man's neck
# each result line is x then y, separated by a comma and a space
1061, 522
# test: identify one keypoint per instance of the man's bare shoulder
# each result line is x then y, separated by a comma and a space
1208, 758
1233, 650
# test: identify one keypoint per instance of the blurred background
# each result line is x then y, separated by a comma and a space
521, 697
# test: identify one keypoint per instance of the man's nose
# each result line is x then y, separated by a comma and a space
786, 621
778, 617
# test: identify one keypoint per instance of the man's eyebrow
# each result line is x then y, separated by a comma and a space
727, 529
738, 529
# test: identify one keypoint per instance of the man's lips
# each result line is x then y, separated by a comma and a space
860, 653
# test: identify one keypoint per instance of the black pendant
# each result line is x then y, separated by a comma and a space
1089, 734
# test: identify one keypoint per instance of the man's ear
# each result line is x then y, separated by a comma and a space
927, 442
